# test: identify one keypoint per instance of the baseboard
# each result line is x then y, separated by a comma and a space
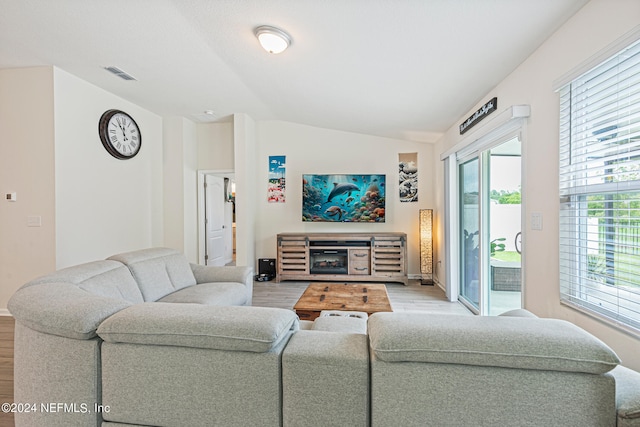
4, 312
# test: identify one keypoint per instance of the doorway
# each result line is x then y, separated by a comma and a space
490, 228
216, 218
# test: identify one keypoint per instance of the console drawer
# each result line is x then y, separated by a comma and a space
359, 268
359, 261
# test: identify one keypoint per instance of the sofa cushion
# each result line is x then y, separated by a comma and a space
325, 380
509, 342
256, 329
158, 271
221, 293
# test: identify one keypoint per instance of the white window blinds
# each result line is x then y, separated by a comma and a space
600, 190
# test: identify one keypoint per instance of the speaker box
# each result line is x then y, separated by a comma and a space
267, 267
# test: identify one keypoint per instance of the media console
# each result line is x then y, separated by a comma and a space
380, 257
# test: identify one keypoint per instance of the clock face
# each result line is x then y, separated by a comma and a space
119, 134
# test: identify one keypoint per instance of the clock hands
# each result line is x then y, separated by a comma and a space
124, 133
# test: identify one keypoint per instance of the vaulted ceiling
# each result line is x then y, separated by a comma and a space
406, 69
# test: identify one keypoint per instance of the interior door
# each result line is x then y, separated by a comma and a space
215, 220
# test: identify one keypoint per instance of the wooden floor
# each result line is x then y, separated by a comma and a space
402, 298
265, 294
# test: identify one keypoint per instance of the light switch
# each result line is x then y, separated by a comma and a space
12, 197
536, 221
34, 221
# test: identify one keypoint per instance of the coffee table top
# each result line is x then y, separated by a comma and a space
366, 297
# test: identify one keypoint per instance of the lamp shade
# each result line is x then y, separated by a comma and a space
426, 244
272, 39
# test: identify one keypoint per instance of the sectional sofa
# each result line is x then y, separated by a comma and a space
145, 338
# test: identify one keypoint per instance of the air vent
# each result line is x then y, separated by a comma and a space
118, 72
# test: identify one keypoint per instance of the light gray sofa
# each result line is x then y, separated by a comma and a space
144, 339
489, 371
59, 357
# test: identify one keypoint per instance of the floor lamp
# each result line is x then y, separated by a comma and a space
426, 246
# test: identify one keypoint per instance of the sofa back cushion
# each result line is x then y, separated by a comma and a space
158, 271
72, 302
108, 279
508, 342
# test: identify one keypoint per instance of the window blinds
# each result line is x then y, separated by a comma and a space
600, 190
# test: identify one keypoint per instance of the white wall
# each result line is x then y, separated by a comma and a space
190, 189
173, 174
244, 146
26, 168
180, 176
215, 146
594, 27
316, 150
103, 205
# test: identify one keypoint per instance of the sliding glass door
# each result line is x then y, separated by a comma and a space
469, 180
505, 237
489, 229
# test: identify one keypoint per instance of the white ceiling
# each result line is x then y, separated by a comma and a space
406, 69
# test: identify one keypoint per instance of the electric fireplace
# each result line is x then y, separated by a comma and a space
329, 261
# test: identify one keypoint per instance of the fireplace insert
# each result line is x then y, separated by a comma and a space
329, 261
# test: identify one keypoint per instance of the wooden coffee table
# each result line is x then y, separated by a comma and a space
367, 297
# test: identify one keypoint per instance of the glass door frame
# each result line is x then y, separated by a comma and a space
484, 255
453, 233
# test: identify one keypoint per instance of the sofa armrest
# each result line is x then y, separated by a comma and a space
211, 274
62, 309
231, 273
627, 396
232, 328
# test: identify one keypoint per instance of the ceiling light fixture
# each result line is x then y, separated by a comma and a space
272, 39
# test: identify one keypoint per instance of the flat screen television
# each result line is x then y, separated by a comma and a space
343, 198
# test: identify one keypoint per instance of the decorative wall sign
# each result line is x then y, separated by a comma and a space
276, 188
483, 112
408, 177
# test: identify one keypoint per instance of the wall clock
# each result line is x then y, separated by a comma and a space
120, 134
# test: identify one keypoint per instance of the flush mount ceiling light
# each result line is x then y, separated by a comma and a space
272, 39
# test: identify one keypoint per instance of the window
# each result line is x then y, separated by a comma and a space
600, 190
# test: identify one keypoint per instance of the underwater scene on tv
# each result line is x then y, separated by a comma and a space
343, 198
